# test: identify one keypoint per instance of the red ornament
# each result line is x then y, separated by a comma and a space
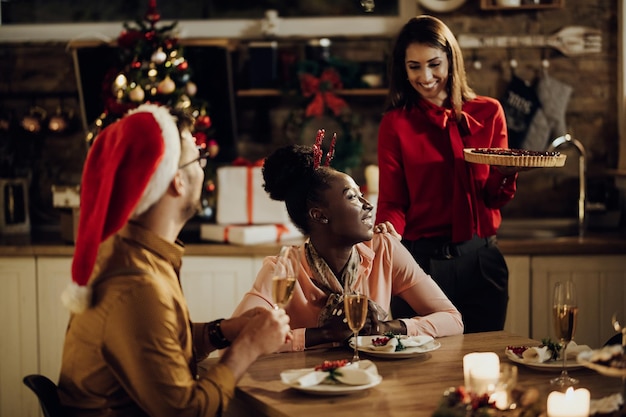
135, 64
203, 122
183, 66
213, 147
150, 35
201, 139
128, 38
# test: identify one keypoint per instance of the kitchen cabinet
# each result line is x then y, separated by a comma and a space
518, 309
213, 286
601, 290
525, 5
18, 344
53, 276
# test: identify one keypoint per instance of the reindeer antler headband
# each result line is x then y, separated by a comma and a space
317, 149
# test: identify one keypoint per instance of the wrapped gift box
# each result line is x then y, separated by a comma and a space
241, 198
249, 234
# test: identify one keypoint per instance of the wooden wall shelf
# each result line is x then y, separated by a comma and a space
551, 4
269, 92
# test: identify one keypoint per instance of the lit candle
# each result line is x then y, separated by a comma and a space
572, 403
481, 371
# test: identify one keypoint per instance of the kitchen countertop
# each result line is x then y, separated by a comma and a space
51, 244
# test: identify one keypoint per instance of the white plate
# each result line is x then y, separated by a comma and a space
583, 359
330, 389
365, 346
557, 365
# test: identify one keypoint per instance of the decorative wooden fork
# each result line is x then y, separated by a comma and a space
570, 41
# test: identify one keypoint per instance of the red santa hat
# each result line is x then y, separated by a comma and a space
128, 169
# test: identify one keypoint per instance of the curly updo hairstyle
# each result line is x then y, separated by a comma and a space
290, 176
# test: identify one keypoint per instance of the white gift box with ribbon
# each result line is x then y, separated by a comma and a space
249, 234
241, 198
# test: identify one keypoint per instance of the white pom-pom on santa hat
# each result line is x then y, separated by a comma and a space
128, 169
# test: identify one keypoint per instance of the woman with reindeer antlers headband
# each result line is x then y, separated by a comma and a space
329, 208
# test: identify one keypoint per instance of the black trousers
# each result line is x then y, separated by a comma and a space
472, 274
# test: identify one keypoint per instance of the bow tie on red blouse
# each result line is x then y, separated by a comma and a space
440, 116
464, 220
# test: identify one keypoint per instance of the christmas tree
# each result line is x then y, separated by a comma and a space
152, 69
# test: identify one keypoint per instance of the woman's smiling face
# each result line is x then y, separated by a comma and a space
349, 213
427, 70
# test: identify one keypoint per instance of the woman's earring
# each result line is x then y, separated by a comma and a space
324, 220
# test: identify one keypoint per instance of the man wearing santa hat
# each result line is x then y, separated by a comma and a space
130, 347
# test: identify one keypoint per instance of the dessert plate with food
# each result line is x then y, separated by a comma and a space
514, 157
396, 346
546, 357
608, 361
338, 377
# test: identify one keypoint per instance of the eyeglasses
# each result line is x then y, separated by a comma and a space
201, 159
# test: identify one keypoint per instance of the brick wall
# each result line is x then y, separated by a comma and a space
42, 74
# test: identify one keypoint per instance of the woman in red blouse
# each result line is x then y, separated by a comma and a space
447, 210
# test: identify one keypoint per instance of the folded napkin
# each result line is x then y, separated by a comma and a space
573, 350
543, 354
362, 372
407, 341
537, 354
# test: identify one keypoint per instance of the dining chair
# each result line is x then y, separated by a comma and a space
46, 392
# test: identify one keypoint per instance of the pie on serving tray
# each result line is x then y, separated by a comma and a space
514, 157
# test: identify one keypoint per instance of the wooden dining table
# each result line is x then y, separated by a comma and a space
410, 387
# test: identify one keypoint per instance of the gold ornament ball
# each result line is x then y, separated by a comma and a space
136, 94
167, 86
159, 57
191, 88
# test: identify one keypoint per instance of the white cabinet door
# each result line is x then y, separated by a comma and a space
518, 314
213, 286
18, 343
53, 275
601, 288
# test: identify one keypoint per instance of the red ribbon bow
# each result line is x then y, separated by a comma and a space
320, 89
242, 162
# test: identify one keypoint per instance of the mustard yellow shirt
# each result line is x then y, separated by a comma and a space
132, 352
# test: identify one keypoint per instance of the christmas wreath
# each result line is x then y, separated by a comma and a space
322, 108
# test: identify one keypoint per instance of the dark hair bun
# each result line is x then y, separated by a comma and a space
287, 170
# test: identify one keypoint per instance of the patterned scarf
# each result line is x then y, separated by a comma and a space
325, 279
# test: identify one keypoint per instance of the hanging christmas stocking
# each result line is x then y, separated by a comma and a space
549, 121
520, 103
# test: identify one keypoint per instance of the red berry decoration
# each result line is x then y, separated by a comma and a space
136, 64
203, 122
327, 366
183, 66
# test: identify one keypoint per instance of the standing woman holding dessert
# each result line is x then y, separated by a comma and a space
447, 210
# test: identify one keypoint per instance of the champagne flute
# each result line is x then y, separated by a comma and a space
565, 313
284, 279
355, 308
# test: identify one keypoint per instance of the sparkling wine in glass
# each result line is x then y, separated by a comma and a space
355, 308
565, 314
284, 279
